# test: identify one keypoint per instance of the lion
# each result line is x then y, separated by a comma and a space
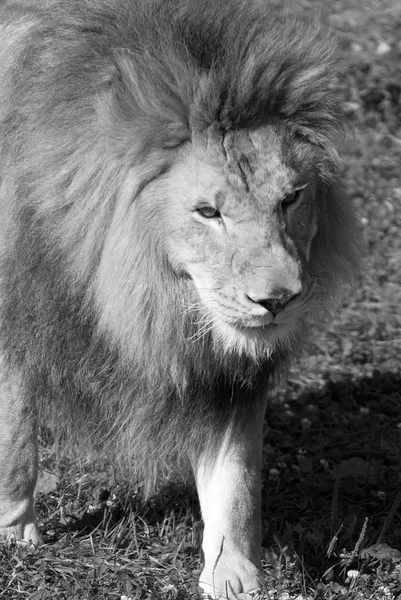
173, 224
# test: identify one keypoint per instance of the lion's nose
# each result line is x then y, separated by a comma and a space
276, 302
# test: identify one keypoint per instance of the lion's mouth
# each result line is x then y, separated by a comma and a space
233, 318
256, 335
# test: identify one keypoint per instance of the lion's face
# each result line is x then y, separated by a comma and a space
242, 219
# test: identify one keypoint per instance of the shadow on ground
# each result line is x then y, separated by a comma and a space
332, 470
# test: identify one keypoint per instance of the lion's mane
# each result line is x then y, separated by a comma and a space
95, 90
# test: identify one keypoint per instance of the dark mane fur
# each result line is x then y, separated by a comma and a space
98, 88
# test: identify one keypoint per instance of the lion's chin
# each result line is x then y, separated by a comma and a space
257, 343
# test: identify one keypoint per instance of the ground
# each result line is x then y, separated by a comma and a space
331, 497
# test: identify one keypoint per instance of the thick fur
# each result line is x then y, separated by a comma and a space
94, 91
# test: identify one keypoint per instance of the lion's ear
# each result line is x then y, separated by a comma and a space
140, 108
120, 108
336, 249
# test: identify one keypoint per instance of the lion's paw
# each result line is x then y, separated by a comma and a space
252, 595
24, 533
238, 579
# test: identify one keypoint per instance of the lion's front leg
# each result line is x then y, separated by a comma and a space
229, 491
18, 465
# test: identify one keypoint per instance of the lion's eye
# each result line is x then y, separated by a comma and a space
208, 212
292, 199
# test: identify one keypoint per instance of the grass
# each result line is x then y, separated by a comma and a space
332, 455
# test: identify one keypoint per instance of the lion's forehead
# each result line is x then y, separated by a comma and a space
256, 156
239, 170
